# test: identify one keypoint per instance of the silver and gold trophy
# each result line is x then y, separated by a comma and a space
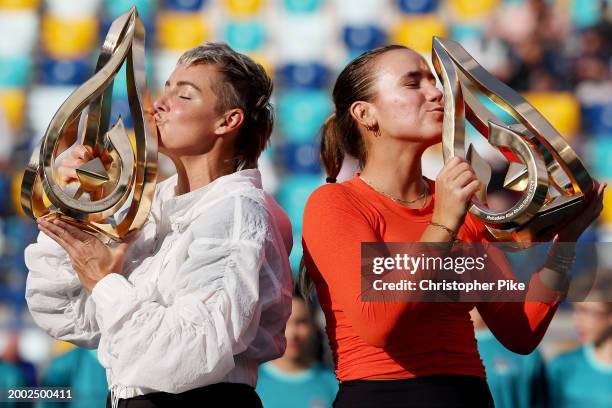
122, 175
543, 167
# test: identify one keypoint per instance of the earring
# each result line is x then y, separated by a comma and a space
374, 129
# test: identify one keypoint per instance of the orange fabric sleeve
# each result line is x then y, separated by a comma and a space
519, 326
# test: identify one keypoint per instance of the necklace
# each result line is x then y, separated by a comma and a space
399, 200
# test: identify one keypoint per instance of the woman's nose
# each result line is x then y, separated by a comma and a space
434, 94
160, 104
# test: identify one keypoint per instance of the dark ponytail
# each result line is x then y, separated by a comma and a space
340, 134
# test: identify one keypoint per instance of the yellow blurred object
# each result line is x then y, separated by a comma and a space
16, 195
19, 4
606, 214
417, 32
60, 347
472, 9
264, 62
561, 109
180, 31
69, 38
243, 8
12, 105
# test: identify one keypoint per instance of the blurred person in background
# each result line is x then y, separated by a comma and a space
79, 370
11, 377
515, 380
183, 312
583, 377
535, 46
392, 353
298, 379
13, 355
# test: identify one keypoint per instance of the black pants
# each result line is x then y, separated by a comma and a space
443, 391
215, 395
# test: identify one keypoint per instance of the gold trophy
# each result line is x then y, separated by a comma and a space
122, 175
542, 165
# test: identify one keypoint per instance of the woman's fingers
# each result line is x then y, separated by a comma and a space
464, 179
471, 189
457, 169
56, 233
74, 235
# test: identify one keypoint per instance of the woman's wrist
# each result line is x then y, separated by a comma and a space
452, 232
559, 262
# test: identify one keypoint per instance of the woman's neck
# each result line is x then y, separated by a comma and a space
603, 350
195, 171
395, 169
292, 365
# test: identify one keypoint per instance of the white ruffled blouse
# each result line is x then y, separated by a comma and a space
204, 297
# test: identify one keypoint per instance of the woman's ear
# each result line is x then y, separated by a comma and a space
230, 121
364, 113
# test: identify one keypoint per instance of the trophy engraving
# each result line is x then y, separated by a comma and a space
123, 173
542, 166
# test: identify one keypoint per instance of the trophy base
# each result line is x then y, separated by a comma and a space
544, 226
105, 237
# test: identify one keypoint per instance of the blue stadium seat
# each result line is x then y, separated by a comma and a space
114, 8
293, 194
15, 71
296, 253
184, 5
597, 118
149, 25
600, 151
245, 36
464, 32
360, 38
120, 83
301, 157
302, 6
65, 71
417, 6
586, 13
121, 107
303, 76
301, 113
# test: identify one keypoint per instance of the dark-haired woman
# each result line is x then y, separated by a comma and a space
411, 354
185, 314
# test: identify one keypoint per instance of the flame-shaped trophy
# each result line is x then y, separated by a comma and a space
124, 166
542, 166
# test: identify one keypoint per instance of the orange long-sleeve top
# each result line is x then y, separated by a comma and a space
383, 340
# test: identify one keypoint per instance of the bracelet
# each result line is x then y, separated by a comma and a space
559, 263
452, 233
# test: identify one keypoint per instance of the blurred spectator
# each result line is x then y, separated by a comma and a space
12, 355
79, 370
11, 377
516, 381
298, 379
536, 59
583, 377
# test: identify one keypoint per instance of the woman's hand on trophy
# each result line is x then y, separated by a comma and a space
91, 259
456, 184
591, 211
77, 157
